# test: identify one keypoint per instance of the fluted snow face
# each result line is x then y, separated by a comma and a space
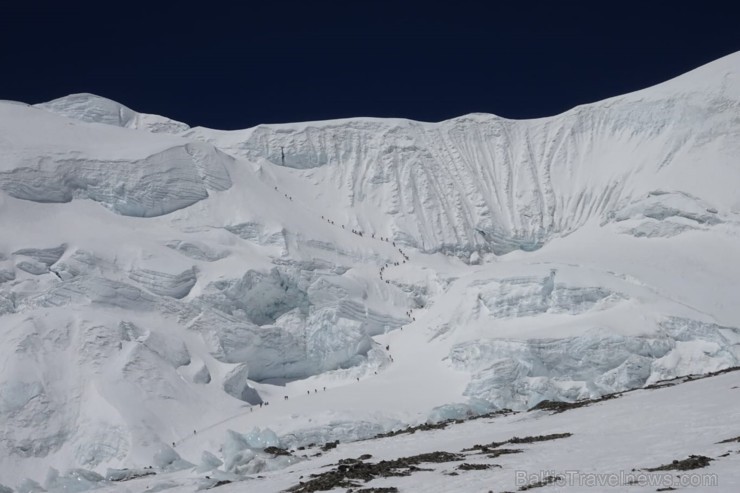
483, 183
156, 279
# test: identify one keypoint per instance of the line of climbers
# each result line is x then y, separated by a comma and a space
285, 397
286, 195
362, 235
385, 239
382, 269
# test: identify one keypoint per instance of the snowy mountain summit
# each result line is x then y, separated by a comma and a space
182, 298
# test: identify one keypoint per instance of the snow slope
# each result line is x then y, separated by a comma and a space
156, 279
610, 445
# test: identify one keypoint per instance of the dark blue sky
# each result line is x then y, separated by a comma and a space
278, 61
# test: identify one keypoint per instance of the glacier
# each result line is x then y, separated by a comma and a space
180, 297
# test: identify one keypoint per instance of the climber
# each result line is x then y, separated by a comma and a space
282, 156
388, 347
286, 397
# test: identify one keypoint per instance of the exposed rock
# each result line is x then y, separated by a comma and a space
560, 406
329, 445
277, 451
386, 489
475, 467
730, 440
350, 471
693, 462
516, 440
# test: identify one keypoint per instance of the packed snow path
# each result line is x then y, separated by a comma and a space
266, 407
